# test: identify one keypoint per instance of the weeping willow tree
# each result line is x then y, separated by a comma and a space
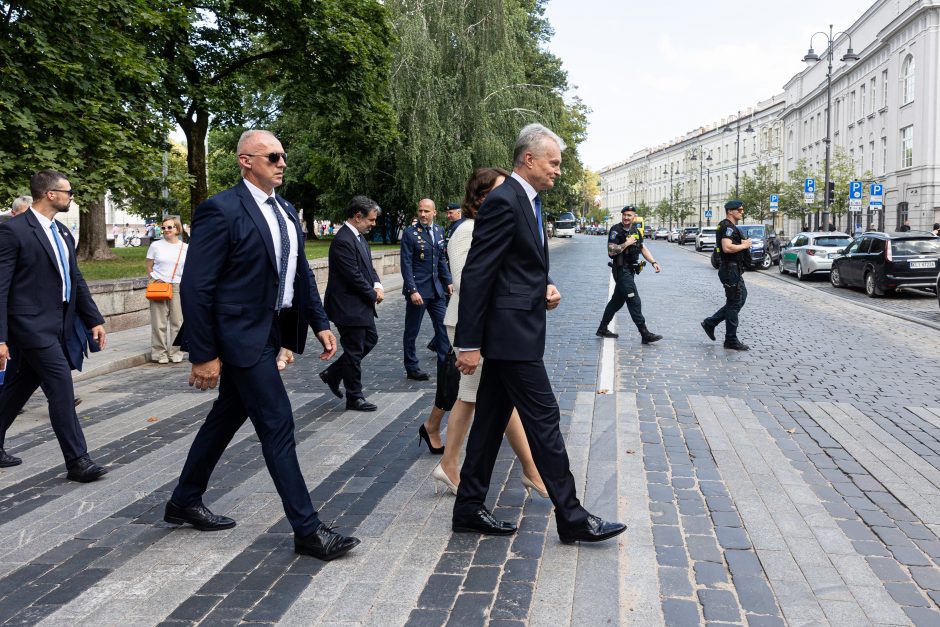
466, 76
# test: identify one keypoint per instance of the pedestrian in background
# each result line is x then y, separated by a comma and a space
904, 228
20, 205
165, 260
936, 228
733, 249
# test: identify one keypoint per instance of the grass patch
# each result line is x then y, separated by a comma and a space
132, 262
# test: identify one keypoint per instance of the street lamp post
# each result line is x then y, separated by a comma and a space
701, 165
811, 59
737, 148
671, 208
709, 198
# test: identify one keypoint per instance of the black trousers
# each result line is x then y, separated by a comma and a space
624, 292
357, 342
525, 386
731, 276
255, 393
48, 368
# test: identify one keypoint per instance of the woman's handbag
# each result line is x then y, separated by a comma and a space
448, 382
164, 291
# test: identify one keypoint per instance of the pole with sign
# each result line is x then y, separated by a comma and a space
855, 196
809, 191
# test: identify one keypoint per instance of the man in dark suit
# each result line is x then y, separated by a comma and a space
352, 293
426, 285
505, 292
42, 292
247, 292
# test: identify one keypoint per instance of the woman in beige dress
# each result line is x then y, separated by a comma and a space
447, 472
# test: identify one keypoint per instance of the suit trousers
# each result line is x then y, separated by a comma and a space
525, 386
256, 393
357, 342
47, 368
436, 308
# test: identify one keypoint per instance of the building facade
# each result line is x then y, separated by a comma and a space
884, 115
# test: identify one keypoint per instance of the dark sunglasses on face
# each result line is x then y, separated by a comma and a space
273, 157
168, 228
70, 192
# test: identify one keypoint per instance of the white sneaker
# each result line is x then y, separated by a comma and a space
163, 360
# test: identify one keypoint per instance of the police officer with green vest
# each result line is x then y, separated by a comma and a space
624, 247
733, 250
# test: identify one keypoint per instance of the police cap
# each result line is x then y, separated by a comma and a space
628, 208
731, 205
453, 206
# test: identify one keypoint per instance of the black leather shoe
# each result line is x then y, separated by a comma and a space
84, 470
647, 337
324, 544
431, 346
360, 404
333, 385
7, 460
709, 330
482, 522
78, 401
196, 515
419, 375
606, 333
737, 345
594, 529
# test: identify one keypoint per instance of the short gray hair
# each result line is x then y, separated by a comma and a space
21, 204
248, 135
532, 138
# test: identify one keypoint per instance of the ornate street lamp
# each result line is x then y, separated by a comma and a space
737, 144
701, 166
811, 59
670, 172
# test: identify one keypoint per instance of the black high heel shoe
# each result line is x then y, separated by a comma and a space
423, 435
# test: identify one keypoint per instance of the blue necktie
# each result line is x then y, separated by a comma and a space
63, 263
538, 217
285, 252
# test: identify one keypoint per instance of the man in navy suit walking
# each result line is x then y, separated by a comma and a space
42, 292
248, 291
352, 293
505, 293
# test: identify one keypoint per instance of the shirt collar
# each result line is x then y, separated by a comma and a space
257, 193
44, 222
529, 190
352, 228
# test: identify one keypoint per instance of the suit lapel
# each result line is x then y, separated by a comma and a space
360, 246
529, 214
40, 234
254, 212
295, 220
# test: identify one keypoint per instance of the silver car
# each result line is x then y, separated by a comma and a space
811, 252
706, 237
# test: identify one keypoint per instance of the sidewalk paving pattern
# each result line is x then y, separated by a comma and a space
795, 484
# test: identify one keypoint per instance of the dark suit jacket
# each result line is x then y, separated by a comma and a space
350, 293
502, 288
31, 287
229, 288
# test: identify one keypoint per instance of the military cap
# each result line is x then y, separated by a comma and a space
628, 208
452, 206
731, 205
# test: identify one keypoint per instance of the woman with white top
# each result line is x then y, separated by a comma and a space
483, 181
165, 260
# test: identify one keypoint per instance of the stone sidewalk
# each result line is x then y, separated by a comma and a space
795, 484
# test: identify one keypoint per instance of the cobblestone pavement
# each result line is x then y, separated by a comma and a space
797, 483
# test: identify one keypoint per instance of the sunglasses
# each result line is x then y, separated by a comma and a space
168, 228
70, 192
273, 157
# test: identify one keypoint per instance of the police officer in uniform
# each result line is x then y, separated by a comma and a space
734, 251
624, 247
427, 283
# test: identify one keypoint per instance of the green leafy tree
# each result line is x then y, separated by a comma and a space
756, 189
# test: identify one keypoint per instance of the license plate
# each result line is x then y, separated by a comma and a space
923, 264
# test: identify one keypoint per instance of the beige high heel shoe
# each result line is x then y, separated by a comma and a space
440, 476
529, 485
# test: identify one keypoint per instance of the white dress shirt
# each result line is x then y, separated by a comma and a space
45, 223
266, 210
349, 226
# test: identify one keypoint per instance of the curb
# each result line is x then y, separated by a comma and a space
123, 363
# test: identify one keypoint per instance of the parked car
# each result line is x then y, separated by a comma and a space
673, 235
811, 252
884, 262
661, 234
765, 246
687, 235
705, 237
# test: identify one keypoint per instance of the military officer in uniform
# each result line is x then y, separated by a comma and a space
427, 283
733, 250
624, 247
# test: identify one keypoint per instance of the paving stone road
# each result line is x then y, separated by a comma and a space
795, 484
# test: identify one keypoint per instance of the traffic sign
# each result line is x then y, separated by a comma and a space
855, 196
876, 197
708, 213
809, 186
774, 202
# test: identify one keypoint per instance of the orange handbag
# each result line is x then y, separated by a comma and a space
164, 291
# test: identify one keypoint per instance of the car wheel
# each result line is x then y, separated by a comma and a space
835, 277
799, 272
780, 267
766, 262
871, 287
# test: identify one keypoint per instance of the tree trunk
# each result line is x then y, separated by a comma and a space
196, 132
93, 234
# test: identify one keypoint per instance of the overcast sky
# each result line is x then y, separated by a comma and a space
653, 70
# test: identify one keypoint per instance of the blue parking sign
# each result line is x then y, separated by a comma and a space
809, 186
855, 189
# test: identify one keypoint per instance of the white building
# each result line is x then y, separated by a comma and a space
884, 115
